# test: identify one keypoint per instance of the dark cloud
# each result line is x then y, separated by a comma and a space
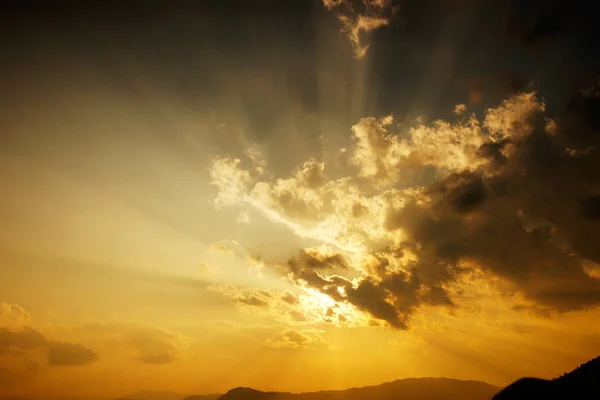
463, 192
295, 337
153, 345
372, 298
58, 353
311, 258
392, 299
252, 301
292, 338
530, 219
25, 339
290, 298
327, 285
66, 354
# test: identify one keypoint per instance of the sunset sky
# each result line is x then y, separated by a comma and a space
296, 195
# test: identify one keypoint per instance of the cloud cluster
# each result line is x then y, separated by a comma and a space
61, 353
515, 194
305, 305
13, 316
360, 18
152, 344
295, 339
21, 342
385, 158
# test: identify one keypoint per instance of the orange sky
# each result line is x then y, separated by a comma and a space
200, 253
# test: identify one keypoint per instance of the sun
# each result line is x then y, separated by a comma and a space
321, 308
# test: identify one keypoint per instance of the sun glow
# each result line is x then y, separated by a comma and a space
320, 307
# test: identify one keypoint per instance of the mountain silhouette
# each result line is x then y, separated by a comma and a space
583, 383
413, 389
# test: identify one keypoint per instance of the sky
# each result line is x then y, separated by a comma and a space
296, 195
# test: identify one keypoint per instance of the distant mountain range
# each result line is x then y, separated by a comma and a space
409, 389
413, 389
583, 383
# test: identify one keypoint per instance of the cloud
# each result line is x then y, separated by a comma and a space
460, 109
244, 297
360, 19
231, 181
384, 157
377, 153
513, 194
252, 301
290, 298
20, 340
58, 353
291, 338
152, 344
12, 315
256, 155
66, 354
512, 219
330, 4
306, 306
354, 27
392, 298
317, 258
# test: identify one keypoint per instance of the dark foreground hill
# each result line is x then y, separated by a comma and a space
583, 383
409, 389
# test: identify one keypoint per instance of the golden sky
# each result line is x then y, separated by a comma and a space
269, 215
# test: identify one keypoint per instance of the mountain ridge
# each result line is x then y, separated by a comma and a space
364, 387
414, 388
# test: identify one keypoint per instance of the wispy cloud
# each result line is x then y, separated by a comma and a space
361, 19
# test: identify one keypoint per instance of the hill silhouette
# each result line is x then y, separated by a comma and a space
583, 383
414, 389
